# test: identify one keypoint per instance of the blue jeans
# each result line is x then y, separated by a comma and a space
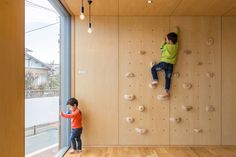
76, 137
168, 68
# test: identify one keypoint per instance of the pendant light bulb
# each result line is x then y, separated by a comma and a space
82, 17
90, 29
82, 11
90, 24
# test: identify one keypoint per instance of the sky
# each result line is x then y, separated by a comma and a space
43, 42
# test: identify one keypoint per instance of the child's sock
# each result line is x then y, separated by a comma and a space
154, 82
164, 96
72, 151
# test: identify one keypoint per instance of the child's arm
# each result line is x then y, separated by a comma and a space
69, 115
177, 32
163, 44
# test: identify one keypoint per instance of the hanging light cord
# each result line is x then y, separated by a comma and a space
90, 13
89, 2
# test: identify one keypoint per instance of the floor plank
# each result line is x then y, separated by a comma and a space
208, 151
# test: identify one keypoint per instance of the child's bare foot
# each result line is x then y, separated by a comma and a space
152, 86
72, 151
164, 96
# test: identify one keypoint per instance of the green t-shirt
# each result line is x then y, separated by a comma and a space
169, 53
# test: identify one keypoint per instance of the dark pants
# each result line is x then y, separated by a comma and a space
168, 68
76, 137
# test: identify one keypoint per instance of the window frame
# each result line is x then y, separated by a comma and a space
65, 74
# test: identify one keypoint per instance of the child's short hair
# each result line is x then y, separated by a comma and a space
72, 102
172, 37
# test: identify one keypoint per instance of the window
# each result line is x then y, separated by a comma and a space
47, 77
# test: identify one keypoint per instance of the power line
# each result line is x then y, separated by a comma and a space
41, 28
39, 6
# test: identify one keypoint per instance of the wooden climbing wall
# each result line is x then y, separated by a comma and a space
141, 34
112, 65
198, 64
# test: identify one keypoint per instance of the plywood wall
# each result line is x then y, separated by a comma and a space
141, 34
195, 37
97, 80
228, 81
104, 57
12, 78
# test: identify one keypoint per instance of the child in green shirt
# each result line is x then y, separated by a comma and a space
169, 49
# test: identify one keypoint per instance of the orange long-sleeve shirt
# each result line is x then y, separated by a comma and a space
76, 118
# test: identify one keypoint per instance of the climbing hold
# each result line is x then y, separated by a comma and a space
176, 74
210, 41
176, 120
187, 85
152, 63
142, 52
197, 130
187, 108
129, 97
199, 63
141, 130
152, 85
141, 108
163, 97
210, 108
130, 119
187, 52
129, 74
210, 74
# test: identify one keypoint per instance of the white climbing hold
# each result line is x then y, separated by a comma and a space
210, 41
176, 74
129, 97
141, 108
210, 108
129, 74
163, 97
176, 119
141, 130
142, 52
197, 130
130, 119
210, 74
199, 63
187, 85
152, 85
187, 52
187, 108
152, 63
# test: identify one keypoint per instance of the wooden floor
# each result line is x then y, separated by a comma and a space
158, 152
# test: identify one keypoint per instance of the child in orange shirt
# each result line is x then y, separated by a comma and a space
76, 123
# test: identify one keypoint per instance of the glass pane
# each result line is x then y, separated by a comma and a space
42, 78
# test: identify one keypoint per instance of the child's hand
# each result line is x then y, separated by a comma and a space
62, 114
164, 40
177, 29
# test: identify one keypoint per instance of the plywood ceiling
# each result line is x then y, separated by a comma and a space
157, 7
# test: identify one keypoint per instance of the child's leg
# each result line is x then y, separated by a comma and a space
168, 75
73, 138
154, 71
79, 139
